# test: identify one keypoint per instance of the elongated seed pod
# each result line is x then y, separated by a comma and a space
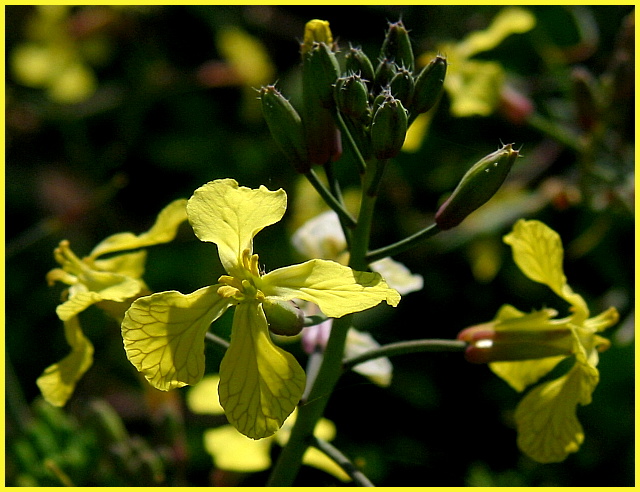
476, 187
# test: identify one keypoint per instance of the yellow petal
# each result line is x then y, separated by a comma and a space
548, 429
234, 452
336, 289
128, 264
163, 230
538, 252
58, 381
520, 374
203, 397
164, 335
475, 88
377, 370
260, 384
510, 20
398, 276
102, 286
247, 55
230, 216
316, 458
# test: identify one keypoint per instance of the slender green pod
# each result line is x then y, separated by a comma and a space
476, 187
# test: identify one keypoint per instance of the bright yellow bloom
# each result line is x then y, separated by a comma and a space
548, 429
111, 283
260, 384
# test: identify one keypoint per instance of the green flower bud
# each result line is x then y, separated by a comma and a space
284, 317
358, 63
401, 86
476, 187
285, 126
428, 85
397, 46
388, 128
320, 71
352, 97
385, 71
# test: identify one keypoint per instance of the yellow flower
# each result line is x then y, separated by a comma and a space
111, 283
232, 451
260, 384
548, 429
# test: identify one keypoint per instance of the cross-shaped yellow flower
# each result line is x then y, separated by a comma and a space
260, 384
524, 347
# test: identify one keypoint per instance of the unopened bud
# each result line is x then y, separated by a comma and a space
352, 97
284, 317
397, 46
476, 187
285, 126
488, 344
356, 61
401, 86
428, 85
388, 129
385, 71
316, 31
320, 71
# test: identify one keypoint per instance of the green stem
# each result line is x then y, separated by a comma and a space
329, 199
344, 130
336, 455
311, 410
402, 245
410, 347
557, 132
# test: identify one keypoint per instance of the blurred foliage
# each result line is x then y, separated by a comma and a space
145, 104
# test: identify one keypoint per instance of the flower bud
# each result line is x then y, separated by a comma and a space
320, 71
385, 71
428, 85
316, 31
388, 129
486, 344
284, 317
285, 126
397, 46
357, 62
476, 187
352, 97
401, 86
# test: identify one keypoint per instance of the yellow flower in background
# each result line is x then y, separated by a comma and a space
474, 86
232, 451
260, 384
111, 283
522, 348
51, 59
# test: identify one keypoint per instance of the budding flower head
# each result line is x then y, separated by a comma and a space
428, 85
352, 96
316, 31
397, 46
476, 187
389, 128
356, 61
285, 126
